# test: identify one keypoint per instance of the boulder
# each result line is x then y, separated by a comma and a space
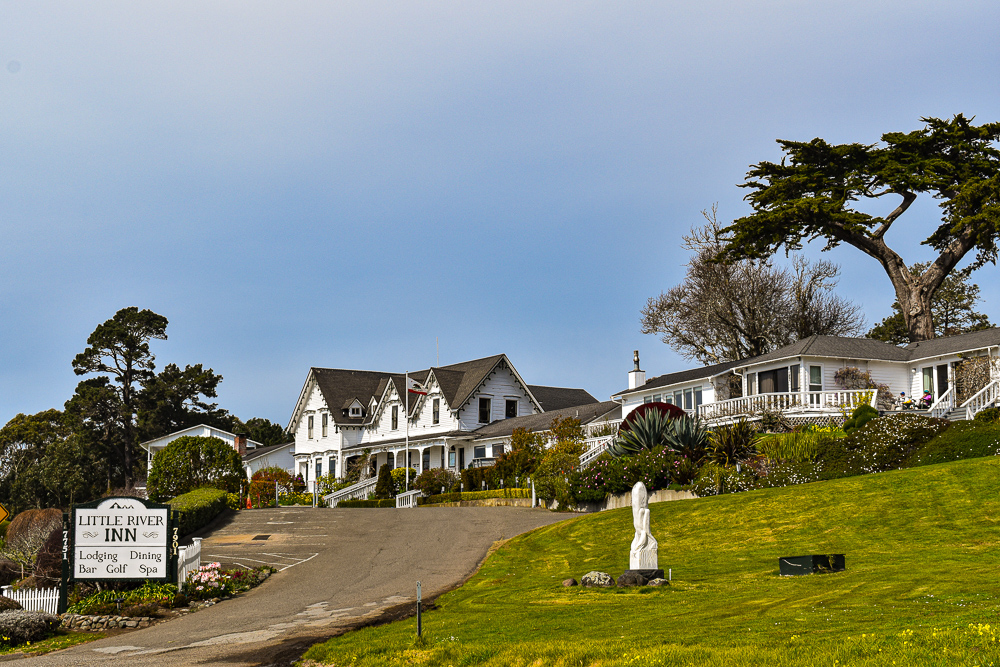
659, 581
569, 582
632, 578
7, 604
595, 578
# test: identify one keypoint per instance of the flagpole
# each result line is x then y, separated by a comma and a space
406, 390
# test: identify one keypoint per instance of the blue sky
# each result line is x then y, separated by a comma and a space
344, 184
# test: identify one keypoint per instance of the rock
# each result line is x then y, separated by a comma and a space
631, 578
595, 578
569, 582
659, 581
7, 603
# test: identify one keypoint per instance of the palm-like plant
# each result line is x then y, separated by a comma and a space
733, 442
688, 436
646, 431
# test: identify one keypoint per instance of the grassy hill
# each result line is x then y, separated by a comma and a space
921, 585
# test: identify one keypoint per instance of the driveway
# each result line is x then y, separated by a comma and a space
337, 569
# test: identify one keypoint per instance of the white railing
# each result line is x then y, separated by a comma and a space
35, 599
591, 430
984, 398
359, 491
188, 560
943, 405
808, 401
594, 447
408, 499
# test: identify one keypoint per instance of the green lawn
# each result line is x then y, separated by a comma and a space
921, 586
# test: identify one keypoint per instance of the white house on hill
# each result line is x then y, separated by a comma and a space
961, 373
341, 413
255, 455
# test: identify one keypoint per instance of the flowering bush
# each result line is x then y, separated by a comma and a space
882, 444
432, 480
657, 468
211, 581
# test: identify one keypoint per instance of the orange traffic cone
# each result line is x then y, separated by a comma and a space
249, 506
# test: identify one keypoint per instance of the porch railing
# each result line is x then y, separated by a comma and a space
408, 499
944, 404
594, 447
359, 491
609, 426
984, 398
808, 401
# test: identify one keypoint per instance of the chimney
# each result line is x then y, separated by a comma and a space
636, 377
241, 444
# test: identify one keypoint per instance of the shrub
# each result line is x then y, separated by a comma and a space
149, 592
647, 431
265, 482
961, 440
329, 483
387, 502
523, 456
384, 487
474, 495
295, 499
774, 421
714, 479
795, 447
658, 468
18, 626
192, 462
862, 414
234, 501
198, 508
211, 581
432, 480
988, 415
881, 444
552, 477
732, 442
473, 478
7, 604
399, 479
27, 534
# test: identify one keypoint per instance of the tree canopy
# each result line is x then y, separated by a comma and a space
724, 311
190, 462
821, 190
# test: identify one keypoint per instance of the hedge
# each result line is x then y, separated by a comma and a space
391, 502
197, 508
475, 495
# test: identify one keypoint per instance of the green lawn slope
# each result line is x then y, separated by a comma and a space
921, 585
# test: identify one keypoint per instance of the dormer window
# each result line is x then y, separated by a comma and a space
355, 410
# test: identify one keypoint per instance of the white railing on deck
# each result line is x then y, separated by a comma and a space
982, 399
35, 599
808, 401
188, 560
408, 499
594, 447
591, 430
359, 491
943, 405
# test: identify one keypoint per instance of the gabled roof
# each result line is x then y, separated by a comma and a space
840, 347
934, 347
683, 376
251, 444
556, 398
341, 387
542, 421
264, 451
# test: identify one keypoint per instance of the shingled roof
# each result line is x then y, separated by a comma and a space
557, 398
542, 421
839, 347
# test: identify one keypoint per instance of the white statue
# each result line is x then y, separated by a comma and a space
643, 554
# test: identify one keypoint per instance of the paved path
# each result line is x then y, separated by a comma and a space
338, 568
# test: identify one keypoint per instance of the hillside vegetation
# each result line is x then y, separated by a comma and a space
920, 586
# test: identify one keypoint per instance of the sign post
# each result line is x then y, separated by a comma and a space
119, 539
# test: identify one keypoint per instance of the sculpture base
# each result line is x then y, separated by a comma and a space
648, 574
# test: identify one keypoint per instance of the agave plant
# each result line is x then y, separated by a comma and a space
688, 436
646, 431
733, 442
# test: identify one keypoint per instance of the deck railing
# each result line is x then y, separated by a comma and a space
408, 499
359, 491
944, 404
804, 402
982, 399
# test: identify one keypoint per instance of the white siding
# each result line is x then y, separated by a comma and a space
499, 386
315, 407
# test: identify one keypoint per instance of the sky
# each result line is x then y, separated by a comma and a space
391, 186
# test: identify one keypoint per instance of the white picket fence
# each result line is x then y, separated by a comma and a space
35, 599
188, 560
